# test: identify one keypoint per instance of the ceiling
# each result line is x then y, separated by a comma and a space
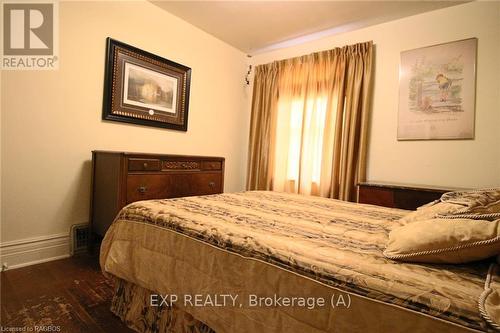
259, 26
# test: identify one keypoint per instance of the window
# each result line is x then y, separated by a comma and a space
300, 140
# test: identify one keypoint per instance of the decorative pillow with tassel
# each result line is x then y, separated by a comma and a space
483, 204
443, 240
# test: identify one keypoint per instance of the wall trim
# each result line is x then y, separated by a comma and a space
36, 250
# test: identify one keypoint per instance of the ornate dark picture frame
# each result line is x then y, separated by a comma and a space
145, 89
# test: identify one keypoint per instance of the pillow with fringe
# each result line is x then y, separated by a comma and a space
478, 204
430, 211
473, 204
444, 241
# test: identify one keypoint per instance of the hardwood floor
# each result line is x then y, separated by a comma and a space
69, 295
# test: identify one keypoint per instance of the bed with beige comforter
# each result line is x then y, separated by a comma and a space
259, 245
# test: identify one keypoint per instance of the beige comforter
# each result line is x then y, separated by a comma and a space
268, 242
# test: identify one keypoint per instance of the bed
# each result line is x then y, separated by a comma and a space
263, 248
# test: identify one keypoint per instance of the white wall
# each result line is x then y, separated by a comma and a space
51, 120
460, 163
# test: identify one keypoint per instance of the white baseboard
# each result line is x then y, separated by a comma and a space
30, 251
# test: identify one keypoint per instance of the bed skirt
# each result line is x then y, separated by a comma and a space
131, 304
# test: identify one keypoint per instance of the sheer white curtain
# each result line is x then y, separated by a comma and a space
305, 125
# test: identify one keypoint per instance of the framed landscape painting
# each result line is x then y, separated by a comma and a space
145, 89
437, 87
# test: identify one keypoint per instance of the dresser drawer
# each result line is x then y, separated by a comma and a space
158, 186
376, 196
211, 165
143, 164
180, 165
397, 196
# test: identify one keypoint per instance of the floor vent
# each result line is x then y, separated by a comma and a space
79, 238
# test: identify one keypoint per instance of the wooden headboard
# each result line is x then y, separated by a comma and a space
398, 195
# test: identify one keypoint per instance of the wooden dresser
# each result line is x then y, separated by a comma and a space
398, 195
120, 178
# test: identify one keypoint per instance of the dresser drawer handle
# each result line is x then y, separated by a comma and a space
211, 184
145, 165
142, 189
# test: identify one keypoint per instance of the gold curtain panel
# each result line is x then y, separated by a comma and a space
309, 122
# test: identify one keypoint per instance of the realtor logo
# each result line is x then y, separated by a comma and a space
29, 35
